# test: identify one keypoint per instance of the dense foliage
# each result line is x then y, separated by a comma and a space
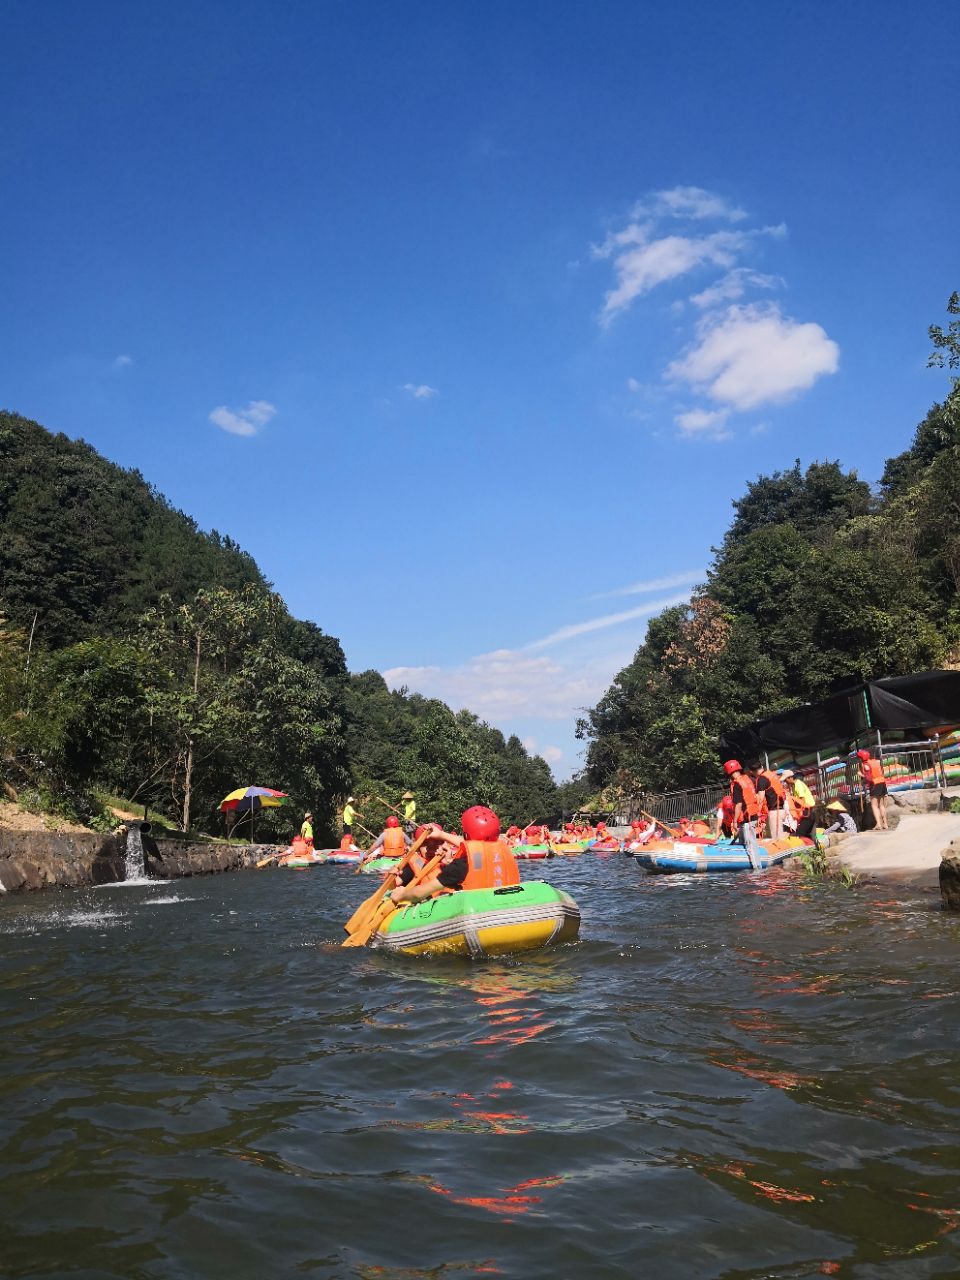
142, 657
818, 580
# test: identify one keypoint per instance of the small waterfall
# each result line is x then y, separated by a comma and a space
134, 866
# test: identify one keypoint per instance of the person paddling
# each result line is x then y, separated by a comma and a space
482, 861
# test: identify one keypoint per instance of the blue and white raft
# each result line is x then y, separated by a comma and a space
683, 857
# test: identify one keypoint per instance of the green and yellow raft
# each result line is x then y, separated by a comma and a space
380, 866
482, 922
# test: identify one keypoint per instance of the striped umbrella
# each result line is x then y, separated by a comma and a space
252, 799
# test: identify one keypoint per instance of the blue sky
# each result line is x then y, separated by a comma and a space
470, 320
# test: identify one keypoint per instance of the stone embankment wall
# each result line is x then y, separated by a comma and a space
44, 859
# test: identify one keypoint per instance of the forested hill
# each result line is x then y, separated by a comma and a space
819, 580
143, 657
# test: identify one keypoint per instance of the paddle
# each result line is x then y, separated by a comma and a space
370, 904
398, 812
673, 830
367, 928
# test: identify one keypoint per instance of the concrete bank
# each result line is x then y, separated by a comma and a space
47, 859
910, 854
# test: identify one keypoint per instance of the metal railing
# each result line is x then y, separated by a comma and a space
671, 805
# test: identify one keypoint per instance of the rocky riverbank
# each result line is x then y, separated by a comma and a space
49, 859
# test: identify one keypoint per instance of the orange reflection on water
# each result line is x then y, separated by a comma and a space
762, 1025
494, 1121
769, 1190
950, 1217
754, 1069
513, 1015
510, 1203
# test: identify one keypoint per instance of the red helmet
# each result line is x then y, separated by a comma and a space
480, 823
731, 767
424, 826
726, 804
864, 755
393, 821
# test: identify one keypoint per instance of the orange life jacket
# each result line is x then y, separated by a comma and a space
873, 772
346, 842
700, 829
491, 865
750, 807
298, 846
394, 845
776, 786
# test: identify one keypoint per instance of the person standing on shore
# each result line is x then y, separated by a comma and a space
306, 830
875, 785
350, 815
409, 812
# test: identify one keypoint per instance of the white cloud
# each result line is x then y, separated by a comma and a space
243, 422
681, 579
687, 202
700, 422
634, 385
574, 629
420, 391
505, 684
641, 264
123, 362
732, 287
552, 754
746, 356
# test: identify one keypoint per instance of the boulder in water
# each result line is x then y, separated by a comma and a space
950, 876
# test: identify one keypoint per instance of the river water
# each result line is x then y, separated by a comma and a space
726, 1077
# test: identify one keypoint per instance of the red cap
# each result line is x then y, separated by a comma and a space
393, 821
864, 755
732, 766
480, 823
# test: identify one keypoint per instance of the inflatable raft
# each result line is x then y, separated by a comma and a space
568, 848
342, 857
532, 852
482, 922
720, 857
380, 866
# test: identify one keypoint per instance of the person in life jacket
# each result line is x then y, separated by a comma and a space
875, 785
725, 827
346, 843
801, 803
482, 861
533, 834
772, 796
746, 806
699, 827
390, 843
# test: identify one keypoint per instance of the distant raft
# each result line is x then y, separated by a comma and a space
482, 922
568, 848
380, 866
532, 852
684, 857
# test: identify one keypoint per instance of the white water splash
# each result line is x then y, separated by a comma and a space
134, 866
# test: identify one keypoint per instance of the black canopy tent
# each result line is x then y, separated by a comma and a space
926, 700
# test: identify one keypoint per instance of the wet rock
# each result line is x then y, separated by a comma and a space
950, 876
